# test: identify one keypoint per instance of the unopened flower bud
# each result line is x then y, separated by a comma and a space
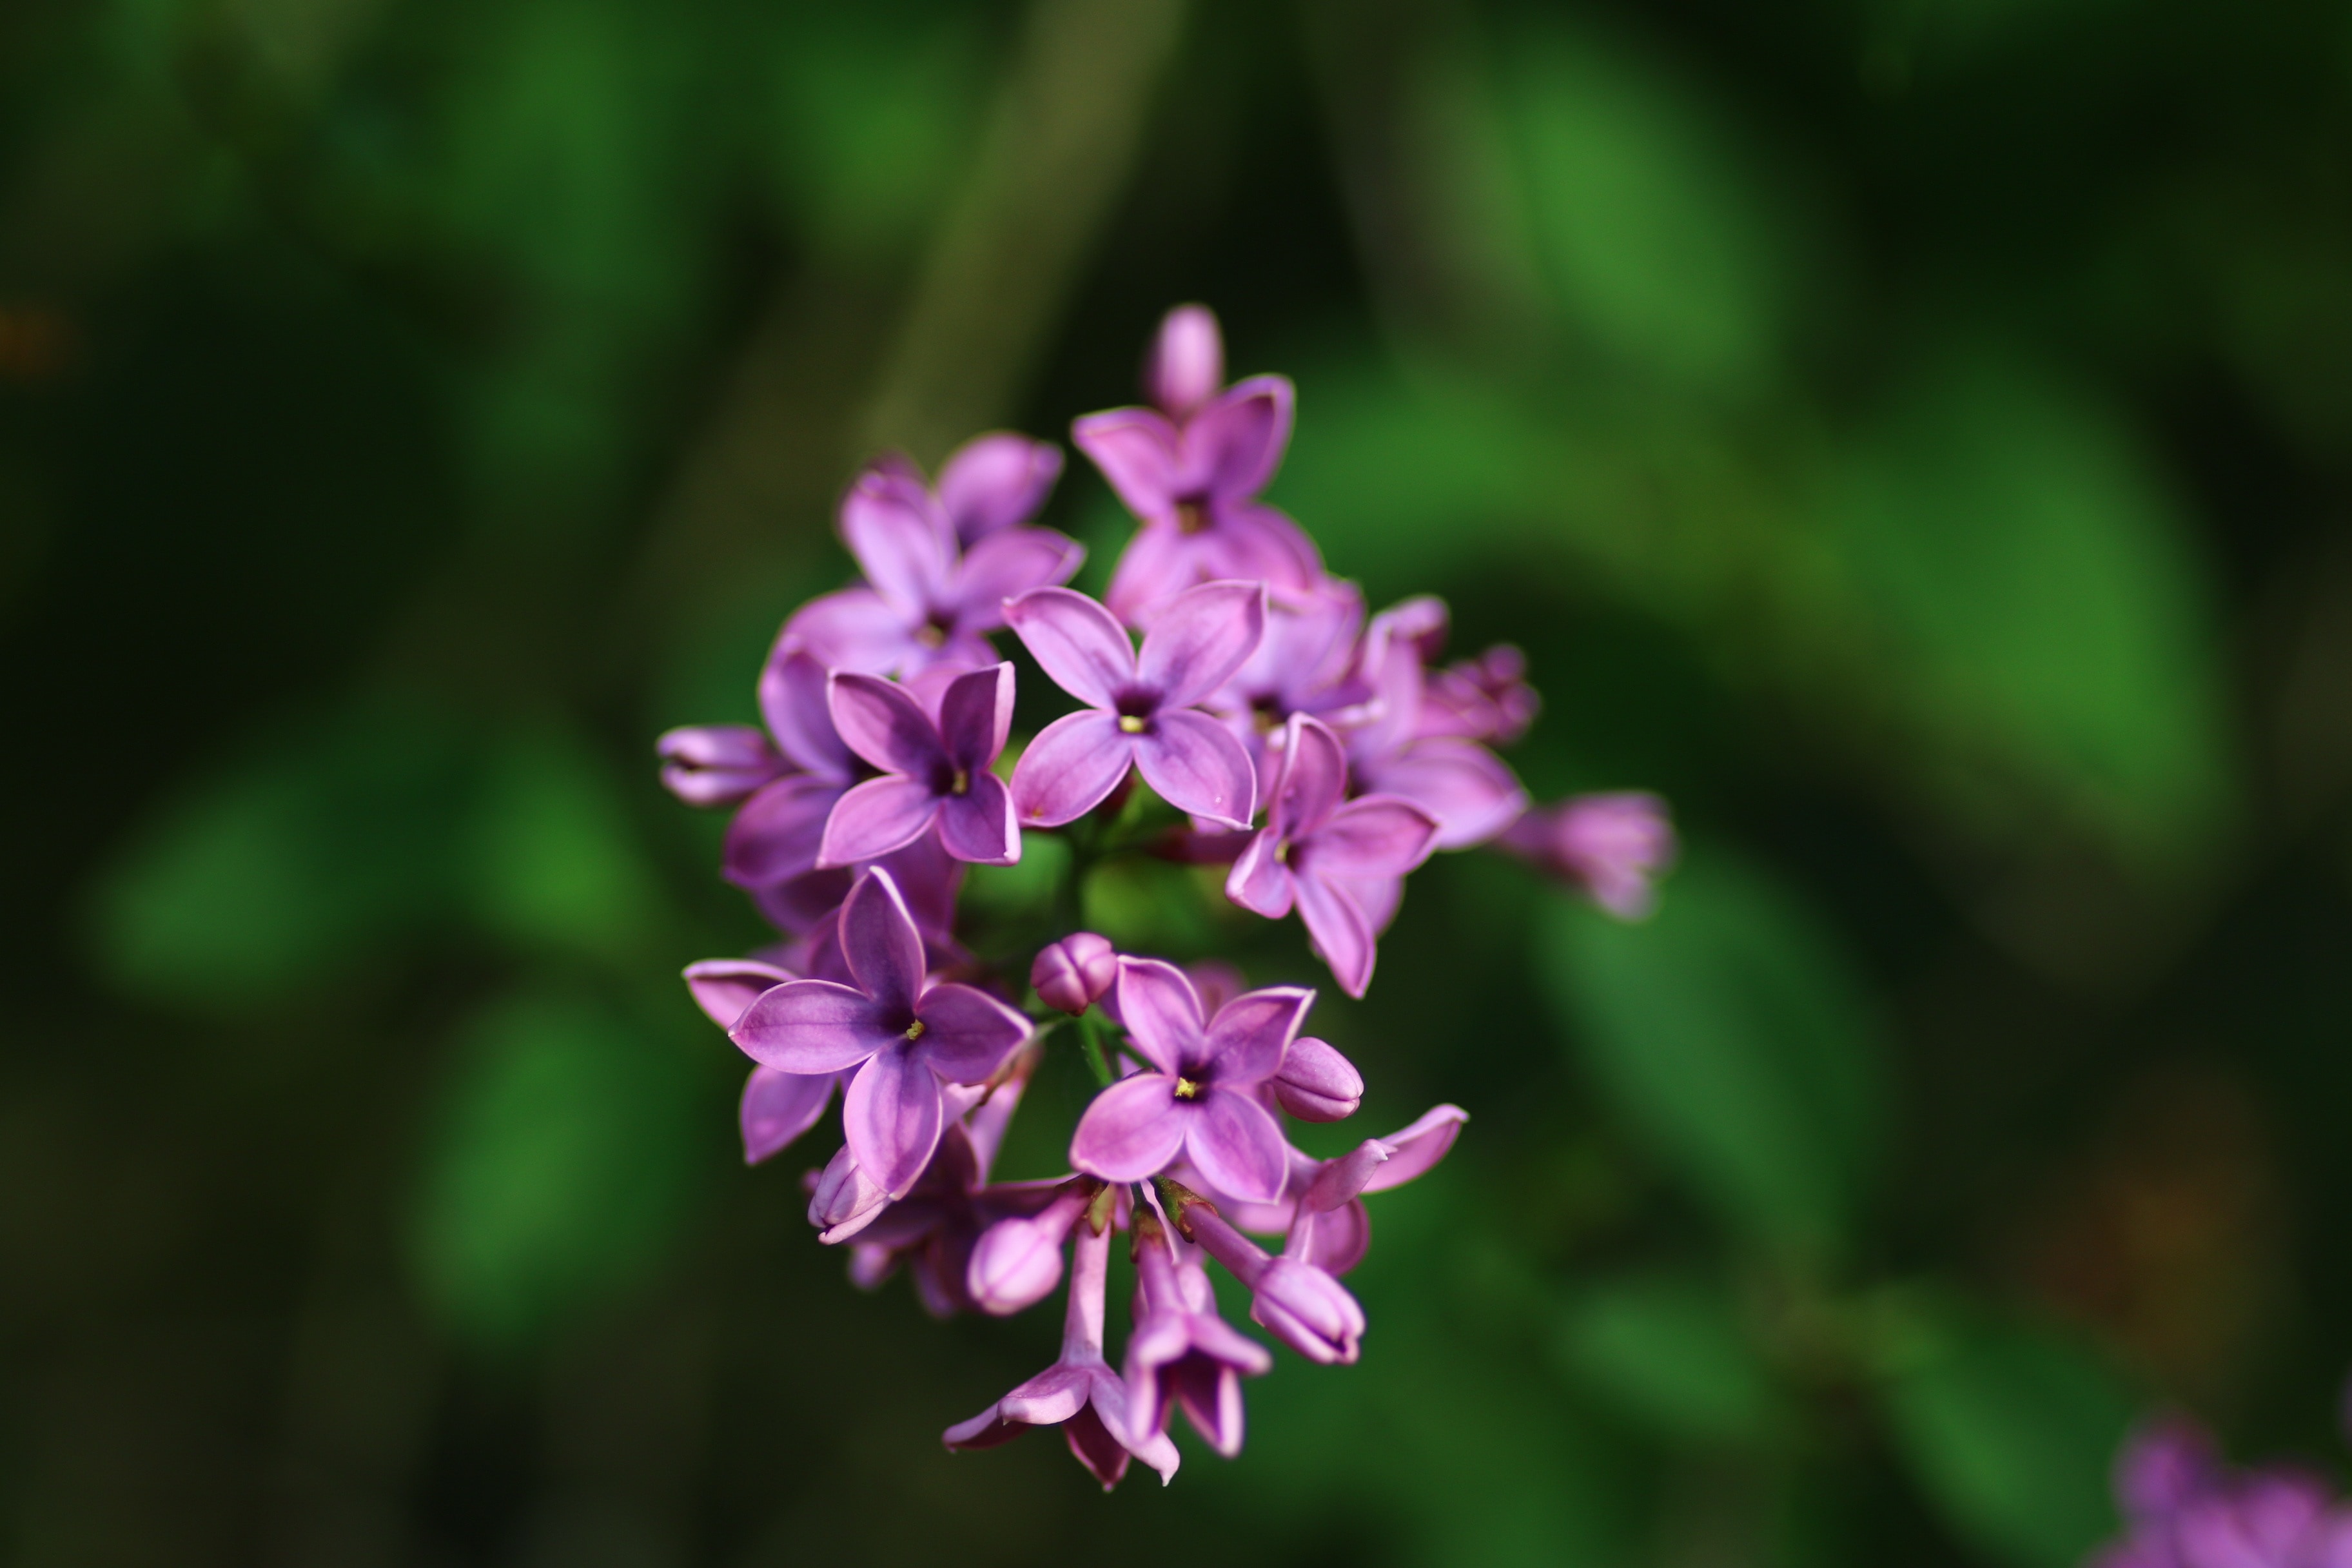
1308, 1310
1016, 1262
847, 1200
1611, 846
1073, 974
1317, 1083
716, 765
1188, 362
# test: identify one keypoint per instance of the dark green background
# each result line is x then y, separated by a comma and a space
1913, 435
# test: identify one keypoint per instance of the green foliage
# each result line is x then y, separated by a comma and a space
553, 863
1670, 1351
1730, 1033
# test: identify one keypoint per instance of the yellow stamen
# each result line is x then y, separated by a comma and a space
915, 1030
1187, 1090
1129, 724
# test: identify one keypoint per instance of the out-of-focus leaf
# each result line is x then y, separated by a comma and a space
1147, 905
2028, 569
1670, 1352
2011, 1433
557, 1169
555, 862
1731, 1032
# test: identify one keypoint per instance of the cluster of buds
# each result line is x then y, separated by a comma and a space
1319, 752
2184, 1507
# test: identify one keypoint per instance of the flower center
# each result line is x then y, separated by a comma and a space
1191, 516
915, 1030
1187, 1090
961, 784
1133, 724
1282, 848
932, 634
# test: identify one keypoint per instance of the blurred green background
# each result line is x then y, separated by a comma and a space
1913, 435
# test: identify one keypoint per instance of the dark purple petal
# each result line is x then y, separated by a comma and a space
1259, 882
1194, 764
1202, 635
1312, 780
967, 1034
723, 987
1315, 1083
1418, 1147
1131, 1130
1137, 450
1007, 565
1068, 770
882, 723
996, 482
1160, 1011
811, 1027
975, 717
1075, 642
855, 628
1188, 361
801, 905
1377, 836
716, 765
1340, 933
877, 816
1237, 1145
1236, 442
891, 1118
901, 541
797, 701
777, 1108
880, 943
779, 831
1094, 1445
1247, 1038
1470, 791
977, 826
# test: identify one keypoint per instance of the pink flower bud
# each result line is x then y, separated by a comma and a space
1188, 362
1016, 1262
1074, 973
1317, 1083
847, 1200
1614, 847
1308, 1310
716, 765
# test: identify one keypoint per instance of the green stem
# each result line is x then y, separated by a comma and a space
1090, 1041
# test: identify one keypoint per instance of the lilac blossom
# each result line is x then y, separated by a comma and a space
777, 1107
1073, 973
1440, 767
934, 770
1197, 1096
1321, 1215
1308, 662
928, 600
2183, 1507
1182, 1353
1192, 471
1139, 705
1613, 845
1329, 857
1078, 1393
904, 1037
1482, 698
1297, 1300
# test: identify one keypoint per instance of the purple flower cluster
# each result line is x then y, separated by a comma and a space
1318, 752
2183, 1507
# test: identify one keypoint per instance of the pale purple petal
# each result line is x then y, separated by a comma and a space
1340, 933
1051, 1397
1259, 882
1007, 565
1378, 897
802, 905
779, 831
899, 540
723, 987
1312, 780
928, 879
891, 1118
977, 826
1157, 564
716, 765
1199, 639
1470, 791
882, 723
1236, 1144
1238, 441
1137, 450
1379, 836
996, 482
967, 1034
1076, 642
845, 1202
877, 816
1131, 1130
796, 700
880, 942
1254, 540
1194, 764
975, 717
1315, 1083
1418, 1147
1188, 361
777, 1108
1068, 770
1341, 1238
811, 1027
855, 628
1250, 1034
1161, 1013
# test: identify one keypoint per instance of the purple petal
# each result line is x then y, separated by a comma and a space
1250, 1034
1215, 1338
1252, 539
1194, 764
1137, 450
777, 1108
811, 1027
1341, 1238
1051, 1397
879, 943
1131, 1130
901, 541
779, 831
929, 880
795, 702
882, 723
977, 826
975, 717
967, 1034
1188, 361
1108, 1408
996, 482
1238, 441
891, 1118
1259, 882
1312, 780
1236, 1144
1094, 1445
716, 765
1418, 1147
877, 816
1470, 791
1007, 565
1161, 1013
847, 1200
855, 628
1068, 770
801, 905
1075, 642
723, 987
2163, 1465
1340, 933
1160, 562
1199, 639
1315, 1083
1377, 836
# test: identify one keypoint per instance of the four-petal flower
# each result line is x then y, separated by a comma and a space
933, 770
